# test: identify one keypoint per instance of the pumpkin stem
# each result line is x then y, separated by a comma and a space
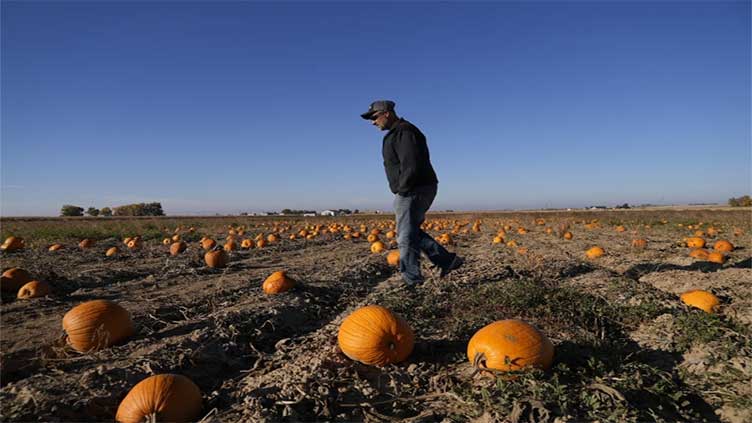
151, 418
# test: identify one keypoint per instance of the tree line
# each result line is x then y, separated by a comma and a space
743, 201
137, 209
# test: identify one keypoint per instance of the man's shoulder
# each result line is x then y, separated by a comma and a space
406, 125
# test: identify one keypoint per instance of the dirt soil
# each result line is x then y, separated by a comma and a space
259, 357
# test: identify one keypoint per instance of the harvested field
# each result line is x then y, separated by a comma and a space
626, 348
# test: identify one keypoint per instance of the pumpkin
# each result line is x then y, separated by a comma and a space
111, 251
230, 245
375, 336
272, 238
126, 240
695, 242
208, 243
260, 243
216, 258
55, 247
507, 345
639, 243
594, 252
391, 234
699, 253
135, 243
716, 257
377, 247
723, 246
372, 238
497, 240
177, 248
278, 282
393, 258
522, 250
703, 300
620, 228
164, 398
13, 279
568, 235
34, 289
97, 324
12, 243
175, 238
166, 241
512, 243
86, 243
521, 231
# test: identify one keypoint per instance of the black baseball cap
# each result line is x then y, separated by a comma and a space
378, 106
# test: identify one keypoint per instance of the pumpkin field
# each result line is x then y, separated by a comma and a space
617, 315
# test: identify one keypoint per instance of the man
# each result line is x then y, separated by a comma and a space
413, 181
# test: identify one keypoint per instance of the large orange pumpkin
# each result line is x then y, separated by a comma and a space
723, 246
12, 243
208, 243
97, 324
216, 258
375, 336
377, 247
703, 300
507, 345
13, 279
393, 258
278, 282
177, 248
594, 252
161, 398
34, 289
699, 253
695, 242
716, 257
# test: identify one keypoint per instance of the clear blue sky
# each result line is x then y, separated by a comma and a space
243, 106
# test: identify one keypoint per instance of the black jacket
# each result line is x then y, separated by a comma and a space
406, 159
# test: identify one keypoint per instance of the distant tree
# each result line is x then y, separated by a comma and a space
139, 209
743, 201
106, 211
70, 210
356, 211
92, 211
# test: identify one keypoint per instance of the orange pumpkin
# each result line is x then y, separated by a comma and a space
278, 282
393, 258
568, 235
377, 247
372, 238
716, 257
97, 324
175, 238
12, 243
86, 243
126, 240
723, 246
391, 234
216, 258
497, 240
620, 228
246, 244
34, 289
164, 397
111, 251
695, 242
703, 300
507, 345
13, 279
272, 238
260, 243
375, 336
177, 248
639, 243
166, 241
594, 252
699, 253
230, 245
55, 247
135, 244
208, 243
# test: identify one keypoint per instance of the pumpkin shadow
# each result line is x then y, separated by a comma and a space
438, 351
639, 270
612, 357
744, 264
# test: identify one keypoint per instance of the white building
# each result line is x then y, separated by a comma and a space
328, 213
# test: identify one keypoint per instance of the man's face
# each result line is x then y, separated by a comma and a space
380, 119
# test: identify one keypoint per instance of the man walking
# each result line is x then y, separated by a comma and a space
413, 181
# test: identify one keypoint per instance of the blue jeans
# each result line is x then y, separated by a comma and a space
410, 213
